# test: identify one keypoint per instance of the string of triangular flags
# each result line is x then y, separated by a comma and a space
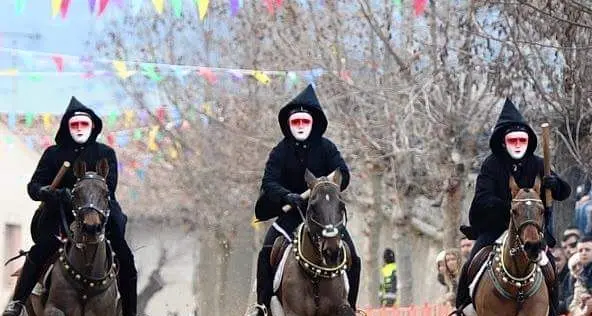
177, 7
87, 67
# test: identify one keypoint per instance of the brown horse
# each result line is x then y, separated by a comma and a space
313, 280
83, 279
513, 283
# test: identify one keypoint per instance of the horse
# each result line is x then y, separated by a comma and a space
313, 281
515, 279
83, 277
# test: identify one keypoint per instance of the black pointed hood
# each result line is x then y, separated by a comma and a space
511, 119
307, 100
63, 135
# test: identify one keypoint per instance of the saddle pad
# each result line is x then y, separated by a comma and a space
477, 278
41, 288
277, 280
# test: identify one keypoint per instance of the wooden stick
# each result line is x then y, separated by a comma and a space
547, 161
58, 178
306, 193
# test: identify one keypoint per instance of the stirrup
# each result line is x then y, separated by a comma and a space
14, 308
256, 308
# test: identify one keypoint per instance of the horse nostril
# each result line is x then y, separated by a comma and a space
91, 228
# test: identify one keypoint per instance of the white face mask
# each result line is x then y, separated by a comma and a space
300, 125
516, 144
80, 128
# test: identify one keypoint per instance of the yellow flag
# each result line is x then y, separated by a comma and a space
55, 7
11, 72
261, 77
173, 153
255, 223
158, 5
47, 121
129, 117
121, 69
202, 7
207, 109
152, 138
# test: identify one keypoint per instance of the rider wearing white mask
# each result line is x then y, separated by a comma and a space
512, 144
303, 123
75, 140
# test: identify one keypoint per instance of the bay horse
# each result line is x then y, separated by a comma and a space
313, 282
513, 282
83, 278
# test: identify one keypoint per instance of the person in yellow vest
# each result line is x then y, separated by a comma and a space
388, 286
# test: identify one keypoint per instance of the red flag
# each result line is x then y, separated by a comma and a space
419, 6
161, 114
64, 8
102, 6
207, 74
59, 60
111, 139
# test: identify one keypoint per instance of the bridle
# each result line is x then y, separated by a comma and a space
528, 222
88, 207
330, 230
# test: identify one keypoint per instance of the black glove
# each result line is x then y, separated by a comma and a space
47, 194
64, 195
294, 200
551, 182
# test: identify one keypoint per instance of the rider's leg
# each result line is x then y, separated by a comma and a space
265, 270
38, 255
463, 297
128, 276
553, 289
353, 273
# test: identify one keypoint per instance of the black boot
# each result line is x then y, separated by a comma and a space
25, 284
353, 277
129, 295
463, 297
264, 280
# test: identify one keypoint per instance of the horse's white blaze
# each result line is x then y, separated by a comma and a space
327, 197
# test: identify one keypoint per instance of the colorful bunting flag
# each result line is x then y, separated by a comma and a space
158, 5
91, 5
19, 6
47, 121
149, 70
55, 7
177, 7
152, 146
207, 74
419, 6
261, 77
234, 6
129, 117
64, 8
121, 69
202, 7
29, 120
102, 6
58, 60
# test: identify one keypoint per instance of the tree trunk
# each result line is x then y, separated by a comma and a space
402, 237
154, 285
373, 228
452, 207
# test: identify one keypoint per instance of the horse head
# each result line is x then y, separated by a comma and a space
325, 216
527, 218
90, 201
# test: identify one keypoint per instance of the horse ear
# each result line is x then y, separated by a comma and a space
337, 177
103, 168
79, 169
310, 178
537, 185
513, 186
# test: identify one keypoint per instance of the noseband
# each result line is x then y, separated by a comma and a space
528, 222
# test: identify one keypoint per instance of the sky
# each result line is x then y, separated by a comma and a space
50, 92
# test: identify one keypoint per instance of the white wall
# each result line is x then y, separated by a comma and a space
17, 163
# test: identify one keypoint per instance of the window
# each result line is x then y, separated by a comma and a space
12, 244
